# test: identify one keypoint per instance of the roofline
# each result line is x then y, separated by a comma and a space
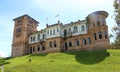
99, 12
27, 16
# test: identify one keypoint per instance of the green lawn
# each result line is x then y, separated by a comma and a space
83, 61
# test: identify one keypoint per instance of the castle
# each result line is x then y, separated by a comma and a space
88, 34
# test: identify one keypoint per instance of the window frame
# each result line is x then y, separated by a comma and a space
100, 34
84, 41
95, 36
77, 42
75, 30
89, 40
33, 49
55, 44
38, 37
38, 48
103, 21
70, 43
50, 44
83, 28
106, 34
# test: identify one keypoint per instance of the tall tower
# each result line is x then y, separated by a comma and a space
23, 26
98, 29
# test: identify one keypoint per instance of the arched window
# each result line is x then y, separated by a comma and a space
84, 41
55, 44
70, 44
31, 39
38, 48
77, 42
38, 37
50, 44
95, 37
100, 34
89, 40
103, 21
98, 21
106, 34
83, 28
75, 29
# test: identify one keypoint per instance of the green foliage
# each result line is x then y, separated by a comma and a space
116, 44
116, 30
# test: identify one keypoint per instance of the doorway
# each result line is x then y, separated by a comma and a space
66, 47
30, 50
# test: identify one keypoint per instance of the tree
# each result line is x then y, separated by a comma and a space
116, 29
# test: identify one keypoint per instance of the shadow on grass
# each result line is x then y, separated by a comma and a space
3, 62
90, 57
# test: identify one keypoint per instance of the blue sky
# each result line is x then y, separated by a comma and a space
69, 10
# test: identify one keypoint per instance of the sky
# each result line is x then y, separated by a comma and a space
44, 11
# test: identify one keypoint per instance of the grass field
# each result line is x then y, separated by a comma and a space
83, 61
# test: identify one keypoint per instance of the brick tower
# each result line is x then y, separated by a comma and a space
98, 29
23, 26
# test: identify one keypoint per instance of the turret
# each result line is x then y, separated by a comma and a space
98, 29
96, 19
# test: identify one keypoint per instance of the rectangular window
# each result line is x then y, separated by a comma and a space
69, 31
70, 44
98, 23
100, 34
57, 29
89, 40
106, 34
18, 31
33, 49
43, 48
95, 37
30, 21
53, 31
50, 32
38, 48
44, 36
75, 29
19, 21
